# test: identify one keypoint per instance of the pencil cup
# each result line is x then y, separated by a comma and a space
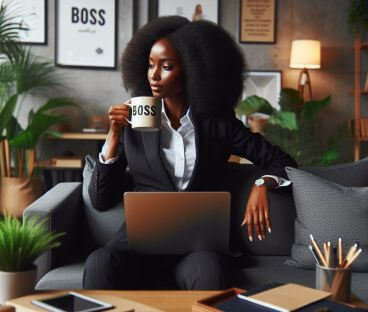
334, 280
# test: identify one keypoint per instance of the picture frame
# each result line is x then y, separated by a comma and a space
191, 9
32, 15
266, 84
86, 34
257, 21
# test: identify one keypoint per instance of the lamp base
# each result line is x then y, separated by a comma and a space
304, 85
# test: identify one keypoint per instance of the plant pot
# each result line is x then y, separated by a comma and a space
18, 193
257, 123
17, 284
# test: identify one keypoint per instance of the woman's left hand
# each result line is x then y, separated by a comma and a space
256, 213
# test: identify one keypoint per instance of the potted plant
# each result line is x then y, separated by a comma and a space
259, 112
20, 74
295, 127
20, 244
357, 17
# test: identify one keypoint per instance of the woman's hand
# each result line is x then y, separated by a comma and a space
118, 115
256, 213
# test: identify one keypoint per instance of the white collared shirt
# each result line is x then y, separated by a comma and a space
178, 150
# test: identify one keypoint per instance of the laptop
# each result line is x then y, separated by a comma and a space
177, 222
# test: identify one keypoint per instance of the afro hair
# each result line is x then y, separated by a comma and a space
212, 62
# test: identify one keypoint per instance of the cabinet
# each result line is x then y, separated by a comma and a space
359, 47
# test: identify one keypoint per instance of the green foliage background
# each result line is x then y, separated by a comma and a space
296, 129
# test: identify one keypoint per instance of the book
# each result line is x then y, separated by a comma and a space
285, 298
228, 301
67, 162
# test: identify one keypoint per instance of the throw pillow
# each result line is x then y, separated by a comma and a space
328, 211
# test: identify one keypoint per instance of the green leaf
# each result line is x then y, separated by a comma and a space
9, 30
28, 138
329, 157
12, 128
254, 104
32, 73
290, 100
285, 120
312, 107
7, 112
7, 75
55, 103
55, 134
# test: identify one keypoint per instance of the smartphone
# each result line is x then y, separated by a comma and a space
72, 302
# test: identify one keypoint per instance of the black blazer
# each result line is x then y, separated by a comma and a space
216, 139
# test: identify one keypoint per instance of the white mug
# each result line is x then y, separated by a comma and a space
145, 113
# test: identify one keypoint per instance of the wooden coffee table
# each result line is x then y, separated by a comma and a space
179, 301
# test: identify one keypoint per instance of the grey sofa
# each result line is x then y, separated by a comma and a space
67, 208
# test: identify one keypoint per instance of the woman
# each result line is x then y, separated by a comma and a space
197, 69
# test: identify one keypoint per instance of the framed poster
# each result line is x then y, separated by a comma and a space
31, 15
257, 21
86, 33
194, 10
266, 84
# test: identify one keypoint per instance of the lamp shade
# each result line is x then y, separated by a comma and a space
305, 54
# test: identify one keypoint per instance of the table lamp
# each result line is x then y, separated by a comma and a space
305, 54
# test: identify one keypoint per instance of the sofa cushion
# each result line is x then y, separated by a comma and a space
328, 211
348, 174
238, 180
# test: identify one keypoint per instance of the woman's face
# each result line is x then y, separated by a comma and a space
165, 73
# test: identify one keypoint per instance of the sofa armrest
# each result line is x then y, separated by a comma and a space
60, 207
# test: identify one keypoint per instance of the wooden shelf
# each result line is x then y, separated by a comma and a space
81, 136
62, 163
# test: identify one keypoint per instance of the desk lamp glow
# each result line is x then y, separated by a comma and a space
305, 54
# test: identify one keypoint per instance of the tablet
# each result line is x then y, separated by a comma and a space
72, 302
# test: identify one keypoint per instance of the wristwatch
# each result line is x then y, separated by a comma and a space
260, 182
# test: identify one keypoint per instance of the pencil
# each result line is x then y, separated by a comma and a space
352, 259
314, 254
349, 254
340, 251
329, 254
319, 253
326, 253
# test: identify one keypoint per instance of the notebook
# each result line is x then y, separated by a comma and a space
288, 297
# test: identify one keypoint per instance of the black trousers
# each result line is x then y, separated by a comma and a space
114, 266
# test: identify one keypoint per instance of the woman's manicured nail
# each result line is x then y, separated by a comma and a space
269, 230
243, 223
260, 237
251, 238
